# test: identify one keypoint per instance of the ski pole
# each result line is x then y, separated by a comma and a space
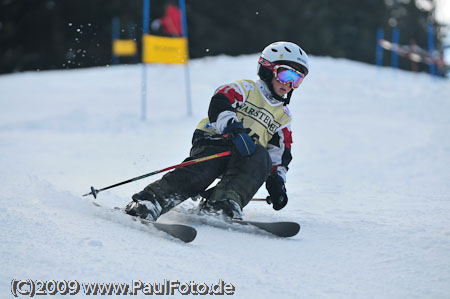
94, 191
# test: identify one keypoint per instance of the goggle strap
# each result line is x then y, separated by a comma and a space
266, 63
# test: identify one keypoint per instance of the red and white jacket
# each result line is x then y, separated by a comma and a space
253, 104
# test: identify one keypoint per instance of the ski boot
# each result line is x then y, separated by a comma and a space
148, 208
227, 207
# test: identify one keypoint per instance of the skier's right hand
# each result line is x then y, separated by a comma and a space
241, 141
278, 196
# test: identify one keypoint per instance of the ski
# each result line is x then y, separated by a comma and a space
182, 232
283, 229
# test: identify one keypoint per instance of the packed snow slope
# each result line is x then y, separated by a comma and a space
369, 182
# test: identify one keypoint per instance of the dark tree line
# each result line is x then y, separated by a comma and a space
54, 34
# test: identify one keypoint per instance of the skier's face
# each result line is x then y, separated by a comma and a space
281, 88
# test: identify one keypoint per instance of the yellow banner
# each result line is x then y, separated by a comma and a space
158, 49
124, 47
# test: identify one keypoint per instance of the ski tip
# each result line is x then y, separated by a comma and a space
191, 237
293, 229
186, 233
290, 229
297, 227
182, 232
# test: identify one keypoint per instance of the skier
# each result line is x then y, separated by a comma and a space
252, 120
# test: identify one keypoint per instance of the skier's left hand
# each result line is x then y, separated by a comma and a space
244, 145
278, 196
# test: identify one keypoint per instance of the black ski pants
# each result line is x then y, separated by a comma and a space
240, 178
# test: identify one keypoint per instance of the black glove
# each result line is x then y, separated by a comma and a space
278, 196
242, 142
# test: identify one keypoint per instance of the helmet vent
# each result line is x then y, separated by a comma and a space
287, 49
301, 53
274, 50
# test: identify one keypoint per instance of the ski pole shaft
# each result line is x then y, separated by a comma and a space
258, 199
94, 191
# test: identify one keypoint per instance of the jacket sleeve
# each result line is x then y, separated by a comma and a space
279, 149
223, 105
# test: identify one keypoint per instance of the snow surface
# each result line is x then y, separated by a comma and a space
369, 182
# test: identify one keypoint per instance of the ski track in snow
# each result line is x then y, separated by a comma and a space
369, 182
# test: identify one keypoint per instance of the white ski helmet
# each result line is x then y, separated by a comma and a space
279, 52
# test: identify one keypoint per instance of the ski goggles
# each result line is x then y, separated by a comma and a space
286, 74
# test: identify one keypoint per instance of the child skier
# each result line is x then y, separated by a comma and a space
253, 121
